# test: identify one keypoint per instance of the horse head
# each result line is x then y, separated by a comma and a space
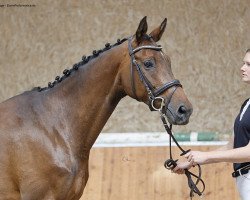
147, 75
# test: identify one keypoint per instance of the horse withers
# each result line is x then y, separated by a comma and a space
46, 134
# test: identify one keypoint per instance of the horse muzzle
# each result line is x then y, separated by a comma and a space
178, 116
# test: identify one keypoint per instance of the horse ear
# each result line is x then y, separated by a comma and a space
157, 33
142, 29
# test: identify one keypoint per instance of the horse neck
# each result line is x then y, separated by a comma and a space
87, 98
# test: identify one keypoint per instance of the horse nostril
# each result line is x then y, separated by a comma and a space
182, 110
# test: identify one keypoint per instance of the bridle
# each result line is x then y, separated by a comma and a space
153, 92
153, 96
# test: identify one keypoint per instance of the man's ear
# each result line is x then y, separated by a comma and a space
142, 29
157, 33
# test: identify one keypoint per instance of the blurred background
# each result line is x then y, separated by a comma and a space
205, 39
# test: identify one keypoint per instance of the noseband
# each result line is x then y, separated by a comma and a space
153, 96
152, 91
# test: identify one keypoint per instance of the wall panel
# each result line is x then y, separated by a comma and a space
137, 173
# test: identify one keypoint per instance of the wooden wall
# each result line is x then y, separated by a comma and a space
138, 173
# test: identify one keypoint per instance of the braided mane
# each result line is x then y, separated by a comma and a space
75, 67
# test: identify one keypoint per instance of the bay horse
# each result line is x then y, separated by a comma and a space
46, 133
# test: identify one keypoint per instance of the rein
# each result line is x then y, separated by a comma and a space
153, 96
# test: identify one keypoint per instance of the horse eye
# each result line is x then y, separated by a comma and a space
148, 64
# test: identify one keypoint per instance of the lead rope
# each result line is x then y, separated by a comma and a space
171, 163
